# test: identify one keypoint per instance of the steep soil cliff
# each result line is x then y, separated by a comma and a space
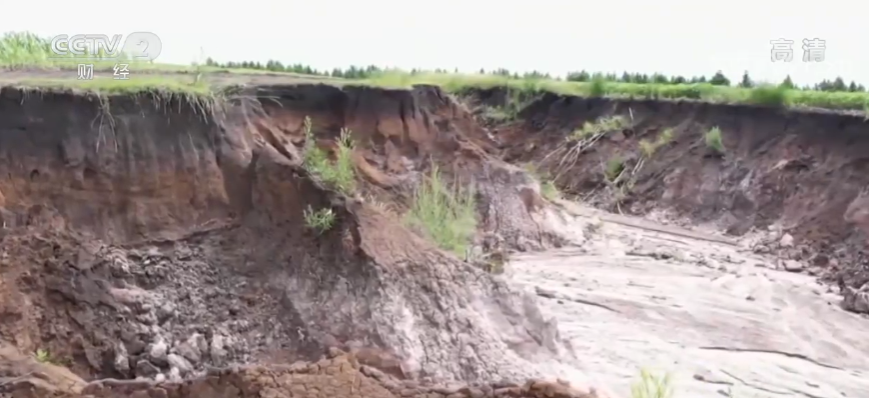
155, 236
799, 172
163, 237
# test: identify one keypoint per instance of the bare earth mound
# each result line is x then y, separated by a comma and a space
151, 237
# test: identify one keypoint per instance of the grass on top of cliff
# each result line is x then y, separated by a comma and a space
26, 51
762, 95
23, 50
137, 84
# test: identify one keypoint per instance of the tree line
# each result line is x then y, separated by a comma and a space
717, 79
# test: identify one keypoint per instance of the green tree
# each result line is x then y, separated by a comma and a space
581, 76
626, 77
839, 85
659, 78
746, 81
719, 79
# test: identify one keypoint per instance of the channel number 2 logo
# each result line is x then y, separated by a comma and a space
143, 46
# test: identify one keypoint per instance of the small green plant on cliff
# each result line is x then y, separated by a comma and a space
650, 147
446, 215
340, 174
508, 111
42, 356
652, 386
614, 167
600, 126
549, 190
547, 186
567, 154
498, 114
714, 141
319, 220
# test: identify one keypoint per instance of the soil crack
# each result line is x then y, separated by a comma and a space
763, 351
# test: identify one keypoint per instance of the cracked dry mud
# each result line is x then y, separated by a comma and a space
713, 315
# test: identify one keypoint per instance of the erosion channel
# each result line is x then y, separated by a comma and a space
164, 245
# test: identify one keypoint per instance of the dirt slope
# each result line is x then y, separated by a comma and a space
793, 172
153, 237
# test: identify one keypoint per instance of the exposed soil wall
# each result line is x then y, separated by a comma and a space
400, 135
154, 237
798, 169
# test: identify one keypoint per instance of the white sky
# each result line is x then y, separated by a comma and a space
669, 36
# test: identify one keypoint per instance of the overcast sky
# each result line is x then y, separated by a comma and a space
669, 36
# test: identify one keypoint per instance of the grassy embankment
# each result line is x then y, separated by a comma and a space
20, 51
762, 95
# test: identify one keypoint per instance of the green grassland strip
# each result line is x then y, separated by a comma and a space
772, 96
182, 79
110, 86
27, 51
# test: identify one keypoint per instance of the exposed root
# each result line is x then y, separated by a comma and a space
104, 116
581, 141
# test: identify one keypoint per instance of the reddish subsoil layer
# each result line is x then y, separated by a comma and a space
145, 237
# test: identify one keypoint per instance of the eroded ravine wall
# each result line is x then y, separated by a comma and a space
802, 170
151, 237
